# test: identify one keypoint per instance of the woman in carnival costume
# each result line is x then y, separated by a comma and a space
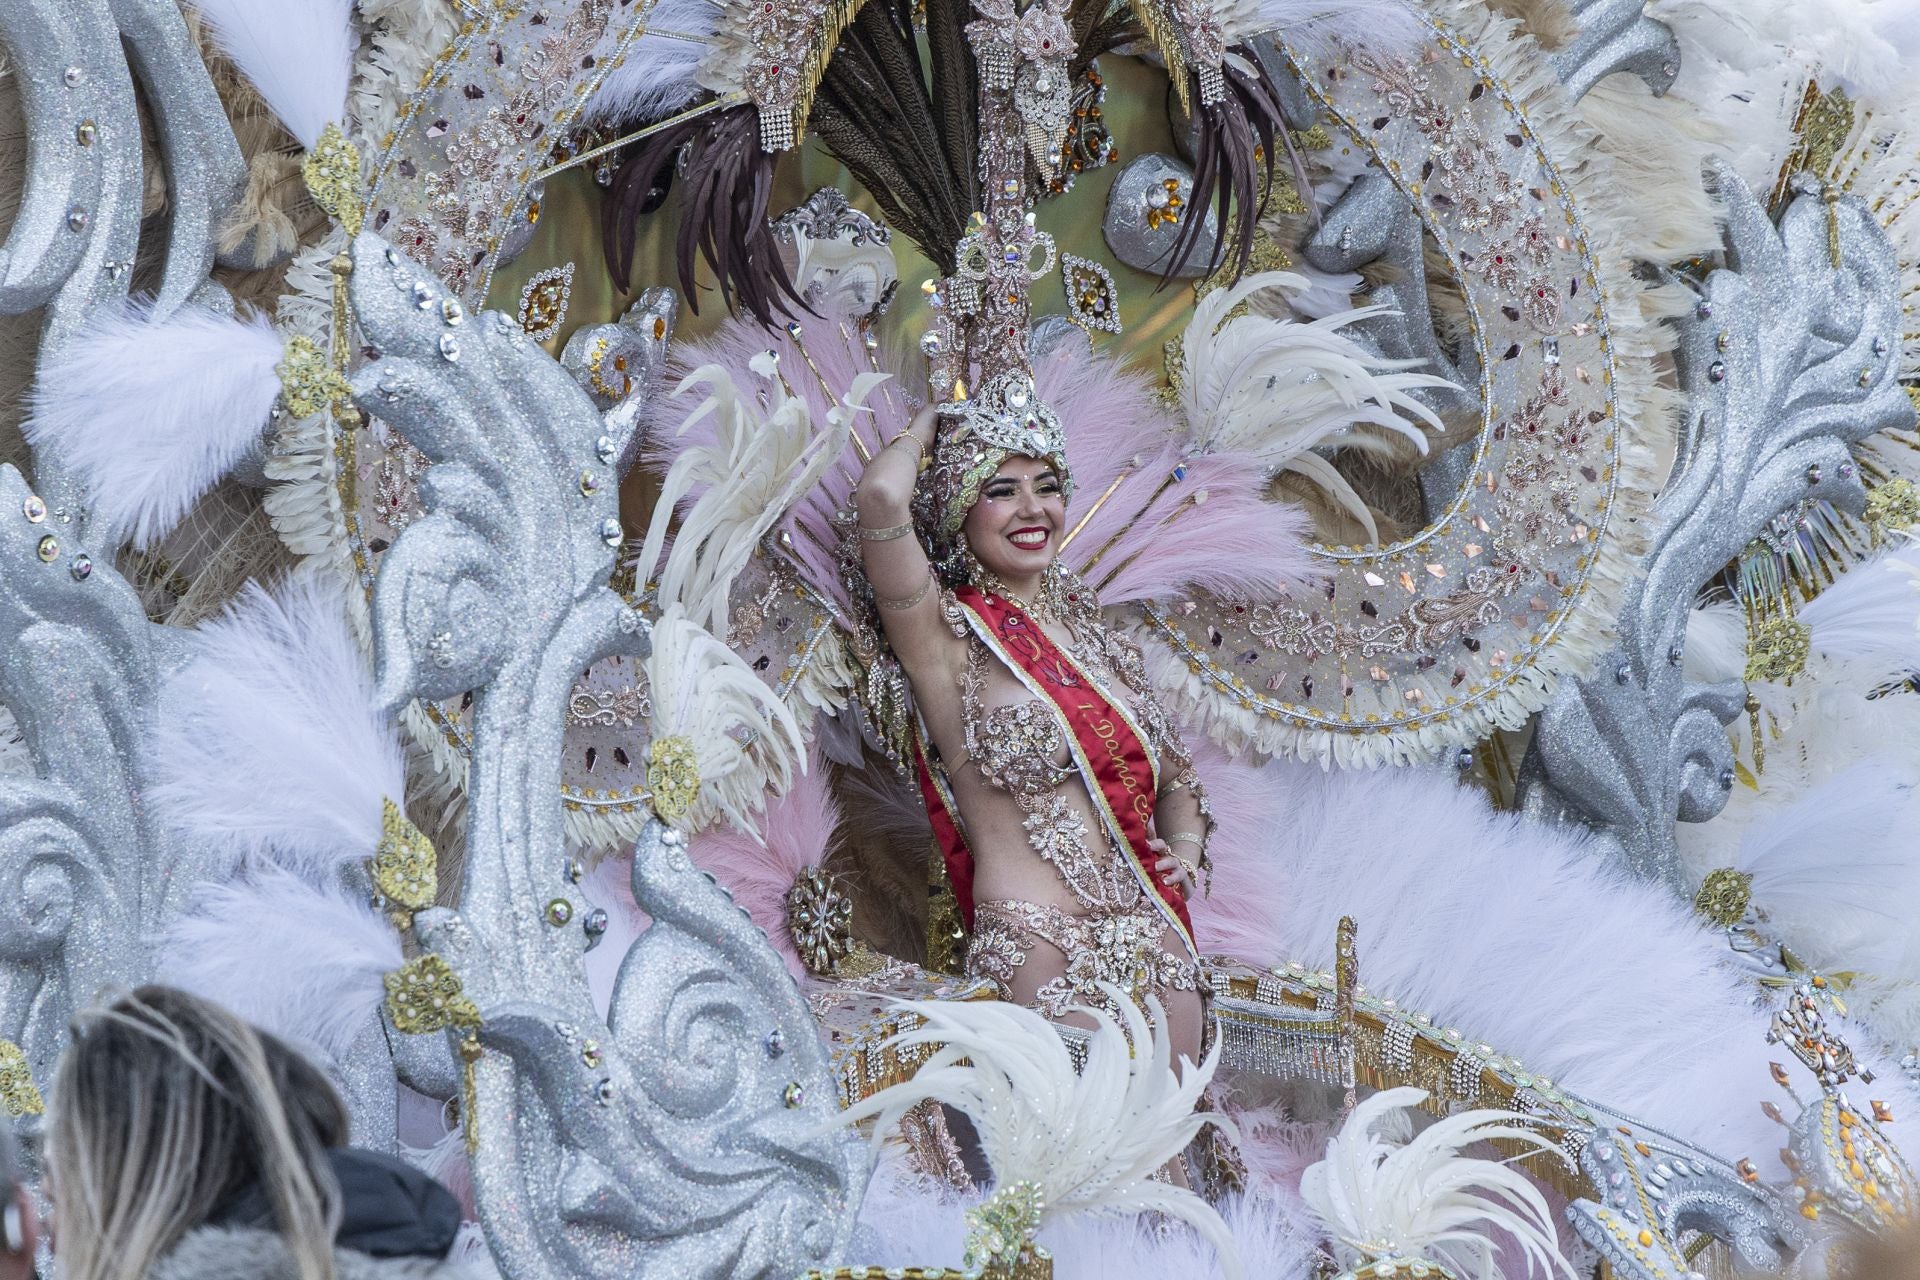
1065, 804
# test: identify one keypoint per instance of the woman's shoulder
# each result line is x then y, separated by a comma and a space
247, 1253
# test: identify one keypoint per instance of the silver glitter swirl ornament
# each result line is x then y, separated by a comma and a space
663, 1144
87, 875
1785, 363
1615, 35
1651, 1191
72, 245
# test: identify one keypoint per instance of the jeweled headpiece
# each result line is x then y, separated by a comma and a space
1004, 419
983, 309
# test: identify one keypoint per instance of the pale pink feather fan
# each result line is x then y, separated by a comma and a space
1162, 519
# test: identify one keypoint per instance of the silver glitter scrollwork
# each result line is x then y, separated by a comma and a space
87, 874
689, 1134
73, 242
1615, 35
1786, 360
1652, 1192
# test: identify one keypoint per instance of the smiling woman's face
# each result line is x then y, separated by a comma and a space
1014, 529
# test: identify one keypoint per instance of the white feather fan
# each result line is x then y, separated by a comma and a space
151, 413
1091, 1140
304, 962
762, 462
1280, 389
297, 53
268, 739
1426, 1199
745, 742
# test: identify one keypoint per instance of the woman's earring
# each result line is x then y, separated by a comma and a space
12, 1229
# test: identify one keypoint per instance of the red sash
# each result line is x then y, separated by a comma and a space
1121, 775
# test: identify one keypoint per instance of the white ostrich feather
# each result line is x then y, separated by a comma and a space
745, 741
762, 461
1092, 1140
1868, 618
297, 53
1836, 869
302, 961
1310, 25
1282, 388
656, 76
268, 739
151, 413
1427, 1199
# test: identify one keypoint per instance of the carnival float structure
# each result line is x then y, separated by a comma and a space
433, 621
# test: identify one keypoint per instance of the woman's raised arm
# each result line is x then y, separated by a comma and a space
897, 568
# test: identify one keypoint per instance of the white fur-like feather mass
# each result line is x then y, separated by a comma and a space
1426, 1199
1279, 389
1870, 616
744, 739
297, 53
150, 414
268, 739
302, 961
1092, 1140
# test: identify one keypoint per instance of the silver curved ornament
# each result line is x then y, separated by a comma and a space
1787, 359
1654, 1192
1616, 35
690, 1136
73, 242
87, 875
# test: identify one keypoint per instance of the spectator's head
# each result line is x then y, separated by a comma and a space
18, 1228
164, 1107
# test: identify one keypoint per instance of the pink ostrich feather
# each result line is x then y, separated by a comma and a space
839, 354
800, 828
1151, 536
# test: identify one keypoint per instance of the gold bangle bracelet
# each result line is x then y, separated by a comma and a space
911, 439
887, 534
898, 603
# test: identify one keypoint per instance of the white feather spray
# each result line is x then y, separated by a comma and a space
302, 961
744, 739
268, 739
151, 413
1426, 1199
762, 462
297, 53
657, 75
1280, 389
1092, 1140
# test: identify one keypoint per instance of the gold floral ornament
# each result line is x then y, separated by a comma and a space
1000, 1234
424, 996
309, 380
673, 778
1777, 647
1724, 896
332, 174
1893, 506
18, 1094
820, 921
404, 869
